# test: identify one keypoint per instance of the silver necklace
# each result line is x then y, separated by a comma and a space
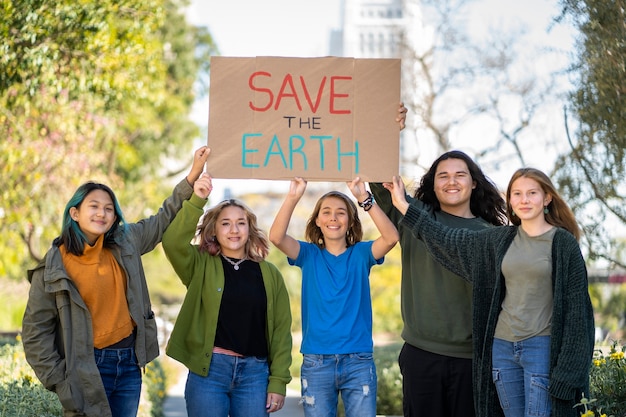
234, 264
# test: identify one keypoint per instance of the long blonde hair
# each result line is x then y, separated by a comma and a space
559, 214
257, 246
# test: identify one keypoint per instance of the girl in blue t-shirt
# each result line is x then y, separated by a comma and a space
337, 342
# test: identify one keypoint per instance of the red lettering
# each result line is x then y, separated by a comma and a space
262, 90
288, 90
315, 106
334, 95
287, 81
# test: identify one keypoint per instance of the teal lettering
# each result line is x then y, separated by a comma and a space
297, 150
245, 151
270, 152
321, 141
355, 154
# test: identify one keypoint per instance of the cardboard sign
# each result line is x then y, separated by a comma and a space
324, 119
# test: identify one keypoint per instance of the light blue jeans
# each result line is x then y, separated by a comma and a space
521, 374
324, 377
121, 377
235, 387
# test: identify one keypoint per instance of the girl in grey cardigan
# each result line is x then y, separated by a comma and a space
532, 316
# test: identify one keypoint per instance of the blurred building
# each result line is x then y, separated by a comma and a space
370, 29
385, 29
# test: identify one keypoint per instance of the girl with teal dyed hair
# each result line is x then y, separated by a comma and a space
72, 236
88, 328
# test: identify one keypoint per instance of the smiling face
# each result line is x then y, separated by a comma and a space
95, 215
333, 218
453, 186
527, 199
232, 231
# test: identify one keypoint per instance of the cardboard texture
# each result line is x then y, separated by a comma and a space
322, 119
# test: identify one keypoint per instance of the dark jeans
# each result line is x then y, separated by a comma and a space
435, 385
121, 377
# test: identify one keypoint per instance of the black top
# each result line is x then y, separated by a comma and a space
241, 322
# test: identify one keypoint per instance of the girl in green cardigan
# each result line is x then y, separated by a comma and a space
532, 316
233, 331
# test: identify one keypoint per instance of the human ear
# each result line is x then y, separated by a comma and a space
74, 213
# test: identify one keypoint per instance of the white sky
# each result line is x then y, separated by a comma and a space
298, 28
268, 27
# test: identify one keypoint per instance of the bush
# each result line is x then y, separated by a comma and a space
389, 397
22, 395
608, 382
154, 387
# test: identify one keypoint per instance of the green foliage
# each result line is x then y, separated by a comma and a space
22, 395
610, 309
608, 380
155, 381
163, 284
385, 289
90, 91
389, 397
23, 398
591, 176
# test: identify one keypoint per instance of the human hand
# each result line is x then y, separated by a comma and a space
401, 119
200, 157
398, 194
297, 187
274, 402
357, 187
203, 186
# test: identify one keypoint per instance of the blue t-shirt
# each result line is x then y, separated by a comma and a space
336, 301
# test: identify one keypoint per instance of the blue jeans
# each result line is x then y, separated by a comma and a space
353, 375
521, 372
235, 387
121, 377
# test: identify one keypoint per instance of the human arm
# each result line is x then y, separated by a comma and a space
39, 330
280, 340
278, 231
382, 196
573, 323
388, 233
398, 194
148, 232
200, 157
465, 252
181, 253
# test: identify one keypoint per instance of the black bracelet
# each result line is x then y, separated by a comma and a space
368, 202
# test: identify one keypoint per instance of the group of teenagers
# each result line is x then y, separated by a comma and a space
494, 299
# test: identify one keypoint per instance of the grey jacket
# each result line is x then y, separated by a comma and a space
57, 330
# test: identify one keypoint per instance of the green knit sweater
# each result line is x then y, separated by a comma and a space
191, 342
436, 304
477, 256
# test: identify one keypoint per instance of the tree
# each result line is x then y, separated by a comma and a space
480, 93
89, 90
591, 174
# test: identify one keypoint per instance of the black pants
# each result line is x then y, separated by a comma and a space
435, 385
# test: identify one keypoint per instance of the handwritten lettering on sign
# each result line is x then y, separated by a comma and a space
325, 119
